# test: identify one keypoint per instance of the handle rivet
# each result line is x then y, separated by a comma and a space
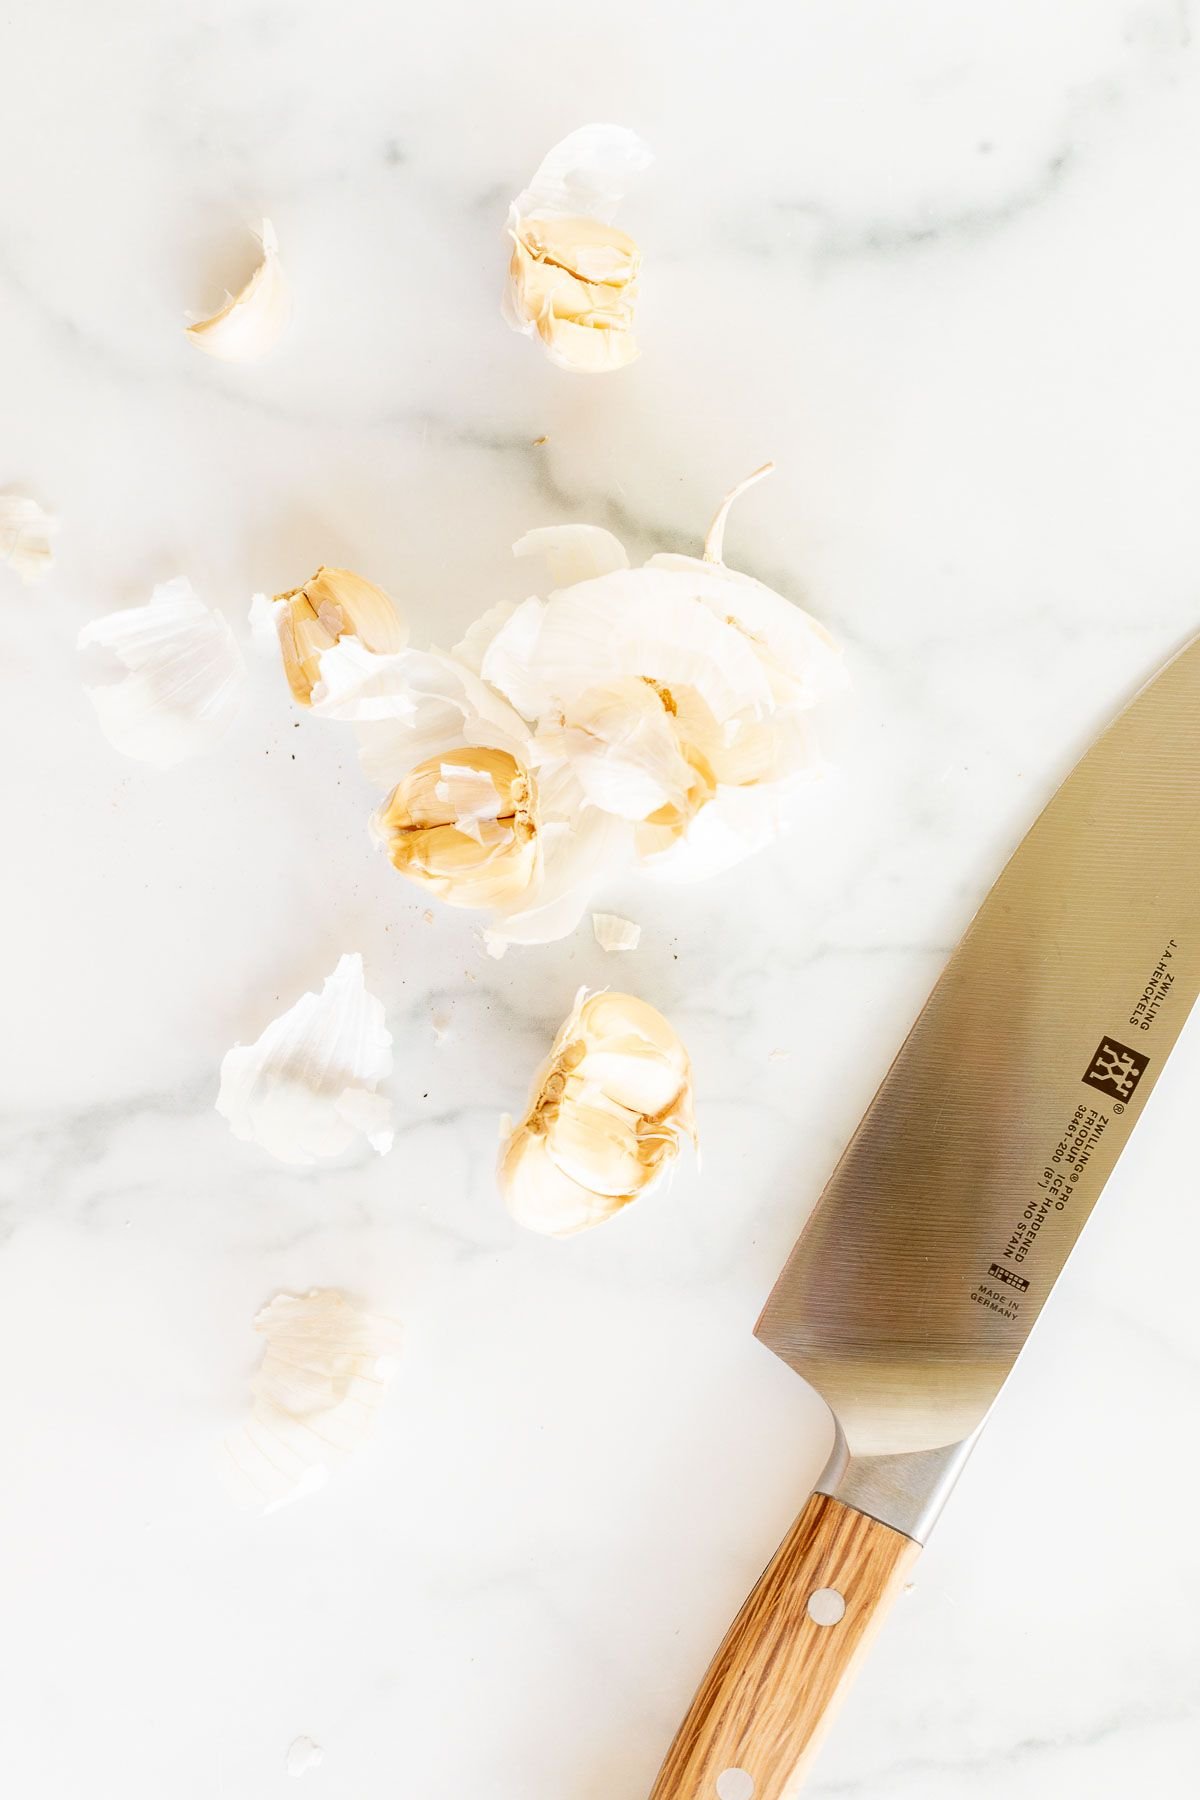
825, 1607
735, 1784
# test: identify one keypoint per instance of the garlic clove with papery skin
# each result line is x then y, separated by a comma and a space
26, 531
333, 604
609, 1110
572, 275
464, 826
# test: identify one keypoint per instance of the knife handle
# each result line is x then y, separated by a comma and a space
761, 1711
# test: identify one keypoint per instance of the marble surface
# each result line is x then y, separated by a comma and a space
942, 264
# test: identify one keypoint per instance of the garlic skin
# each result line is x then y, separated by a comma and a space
609, 1110
333, 604
315, 1398
677, 694
573, 277
465, 827
26, 531
612, 932
251, 322
183, 676
305, 1090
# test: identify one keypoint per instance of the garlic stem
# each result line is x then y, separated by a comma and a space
714, 543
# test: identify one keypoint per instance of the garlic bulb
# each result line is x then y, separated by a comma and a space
465, 827
334, 604
306, 1089
183, 676
25, 533
251, 322
573, 276
609, 1109
324, 1372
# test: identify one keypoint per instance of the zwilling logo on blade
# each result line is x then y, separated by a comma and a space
1115, 1069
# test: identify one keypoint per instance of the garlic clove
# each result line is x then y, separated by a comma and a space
465, 828
614, 933
181, 676
333, 605
572, 274
609, 1109
305, 1090
251, 322
315, 1398
26, 531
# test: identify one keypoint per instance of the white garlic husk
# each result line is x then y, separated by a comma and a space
310, 620
251, 322
306, 1089
612, 932
610, 1109
315, 1397
573, 277
181, 676
676, 692
26, 534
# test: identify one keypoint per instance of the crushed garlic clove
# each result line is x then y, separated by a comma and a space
334, 604
251, 322
465, 826
609, 1110
573, 277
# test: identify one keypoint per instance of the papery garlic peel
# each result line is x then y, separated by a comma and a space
334, 604
609, 1110
251, 322
573, 277
26, 530
324, 1372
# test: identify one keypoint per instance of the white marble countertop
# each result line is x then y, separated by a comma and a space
943, 265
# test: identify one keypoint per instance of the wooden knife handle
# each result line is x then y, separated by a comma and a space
772, 1687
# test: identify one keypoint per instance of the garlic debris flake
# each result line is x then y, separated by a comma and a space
324, 1372
334, 604
25, 533
573, 276
306, 1089
251, 322
609, 1110
614, 933
182, 681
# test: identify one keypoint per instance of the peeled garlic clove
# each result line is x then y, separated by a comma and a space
25, 533
250, 323
614, 933
609, 1109
334, 604
306, 1089
465, 827
572, 275
183, 676
324, 1372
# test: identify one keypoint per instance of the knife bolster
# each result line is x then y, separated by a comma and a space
906, 1491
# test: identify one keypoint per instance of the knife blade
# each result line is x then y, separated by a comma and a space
929, 1256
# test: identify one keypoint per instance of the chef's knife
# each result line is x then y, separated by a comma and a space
935, 1245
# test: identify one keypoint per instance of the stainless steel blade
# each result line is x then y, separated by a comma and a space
948, 1220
